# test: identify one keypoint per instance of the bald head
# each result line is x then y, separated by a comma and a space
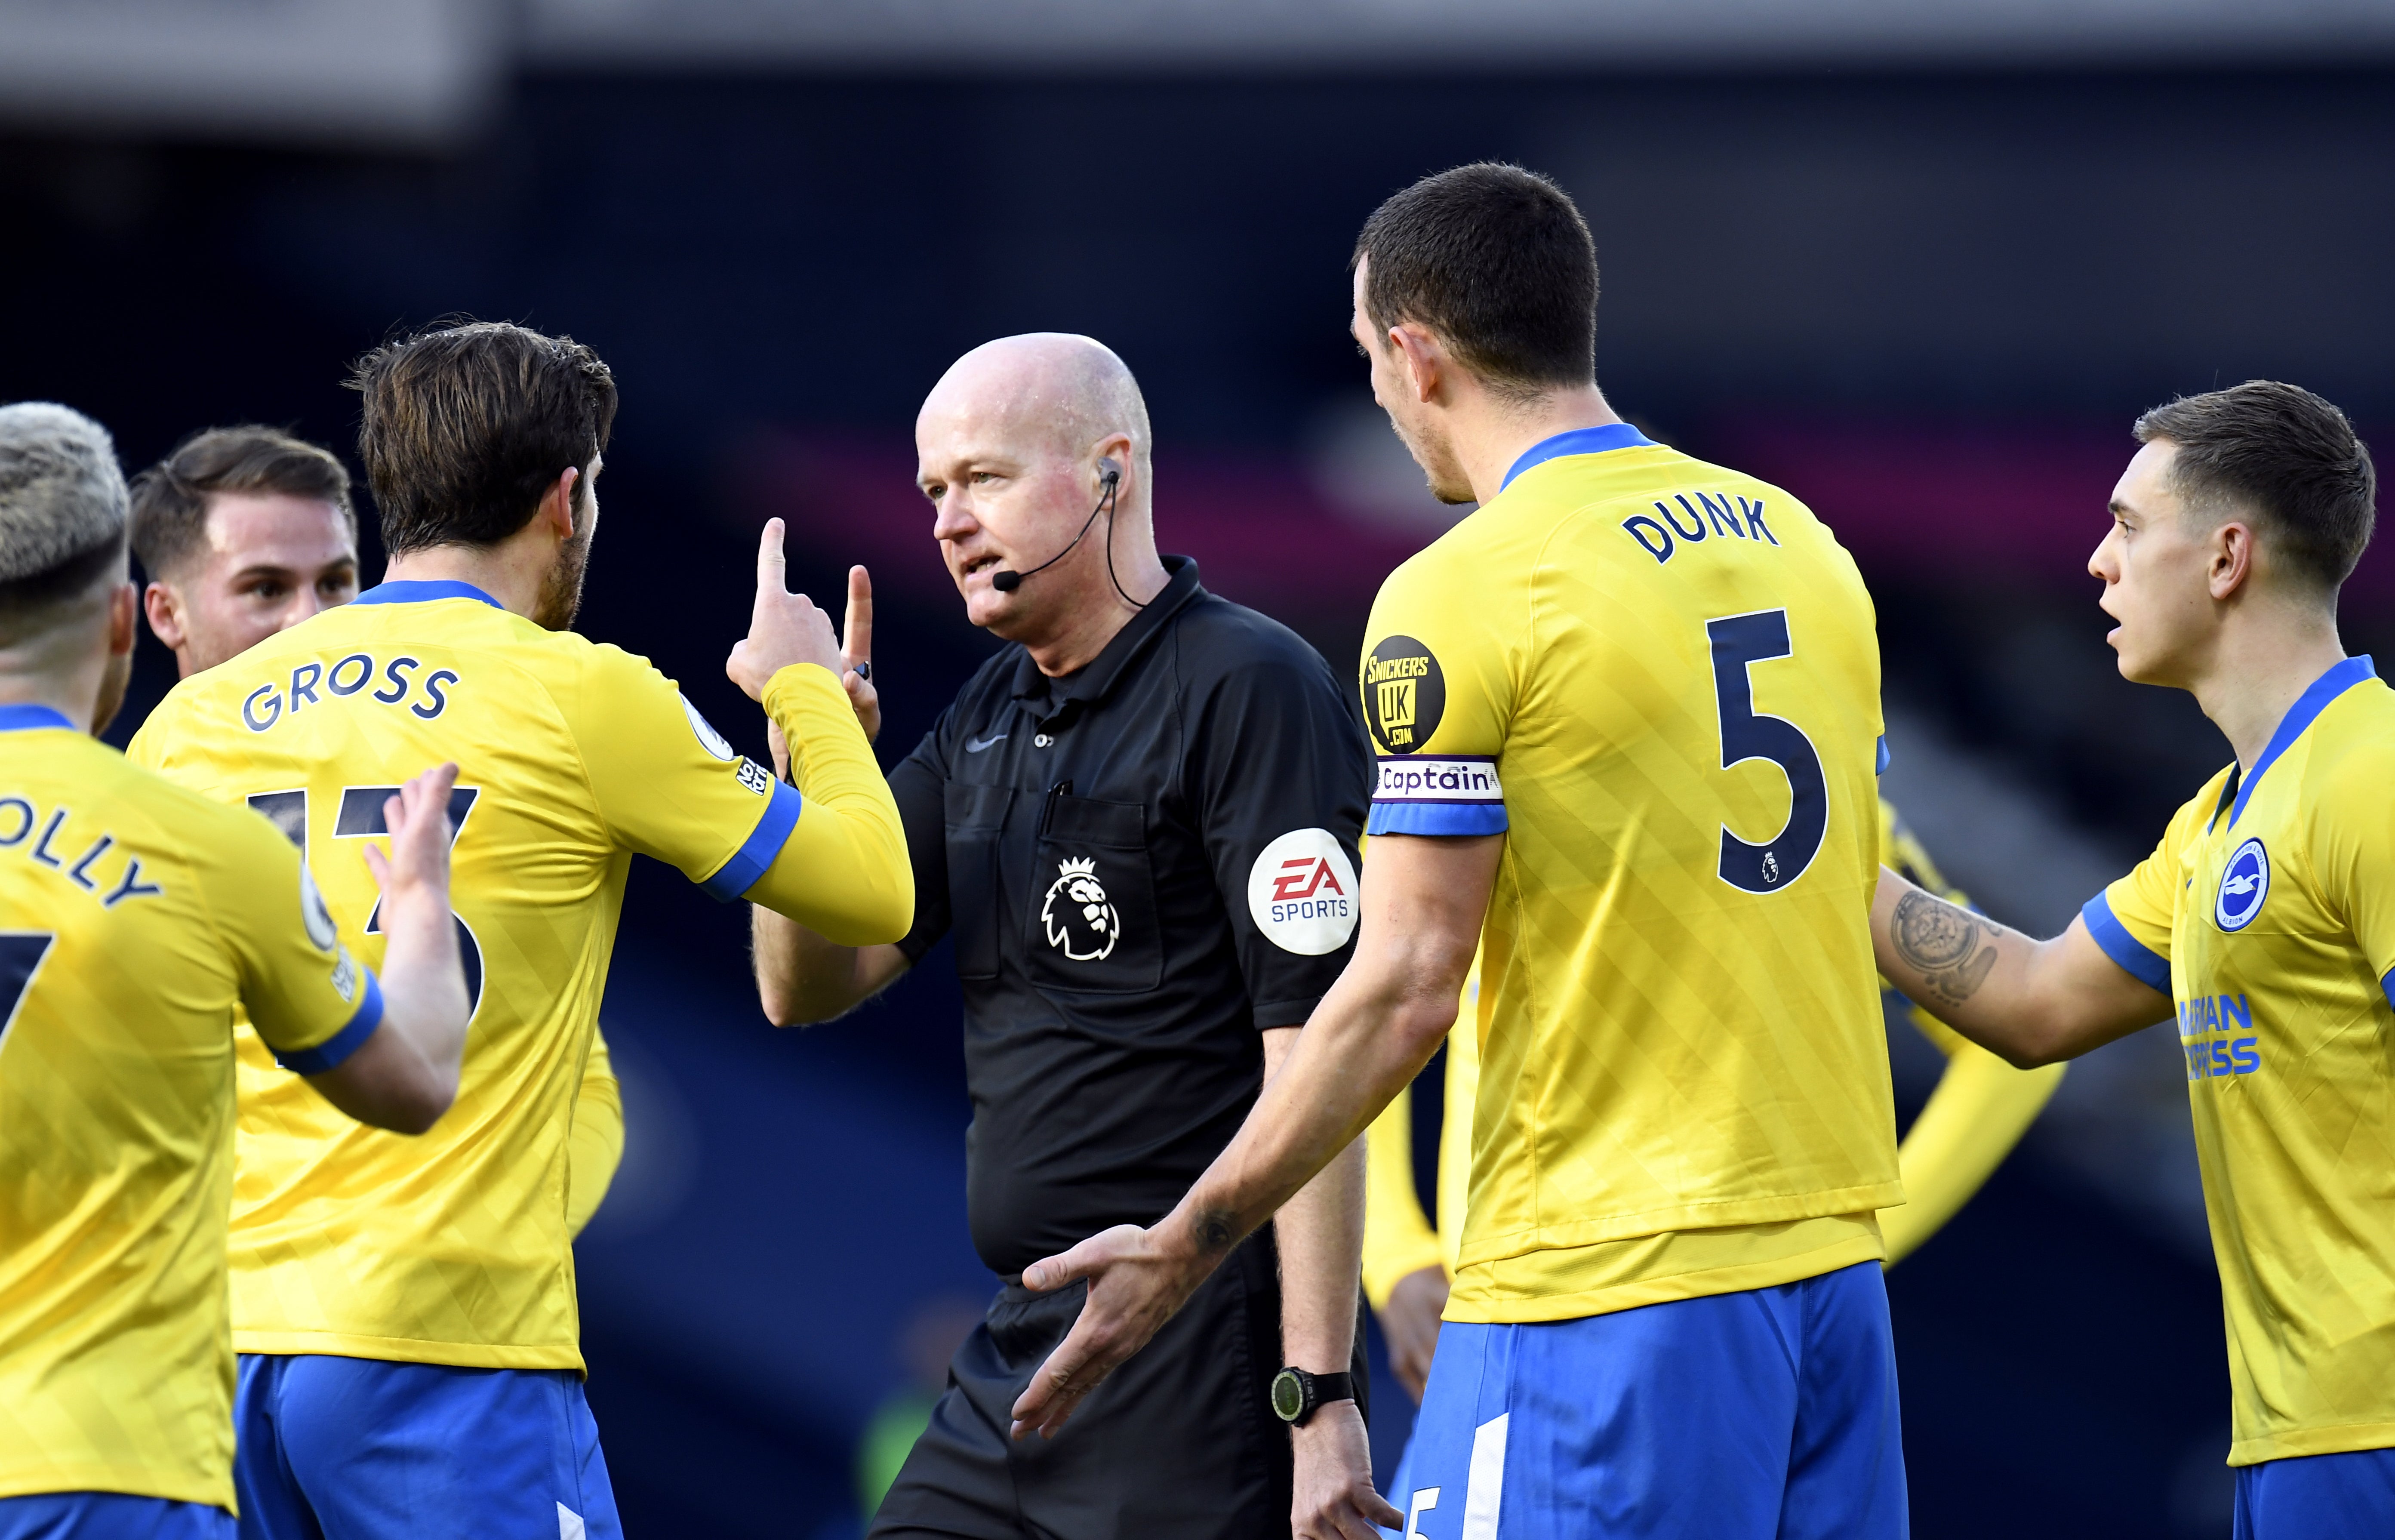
1054, 392
1008, 446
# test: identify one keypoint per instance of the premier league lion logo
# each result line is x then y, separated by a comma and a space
1079, 920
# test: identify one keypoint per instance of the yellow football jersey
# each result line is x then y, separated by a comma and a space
1660, 680
134, 917
1979, 1112
2267, 914
454, 1247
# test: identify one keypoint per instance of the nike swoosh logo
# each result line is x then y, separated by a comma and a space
973, 746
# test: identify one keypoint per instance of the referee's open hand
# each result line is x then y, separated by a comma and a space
1137, 1280
783, 628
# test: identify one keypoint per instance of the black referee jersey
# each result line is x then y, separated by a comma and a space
1145, 864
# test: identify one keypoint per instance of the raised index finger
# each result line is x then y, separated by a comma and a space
771, 563
856, 631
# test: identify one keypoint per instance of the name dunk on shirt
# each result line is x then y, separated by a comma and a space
1725, 517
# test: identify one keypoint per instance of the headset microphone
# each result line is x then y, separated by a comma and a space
1006, 580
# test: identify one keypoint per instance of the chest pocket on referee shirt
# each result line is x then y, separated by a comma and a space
977, 817
1093, 922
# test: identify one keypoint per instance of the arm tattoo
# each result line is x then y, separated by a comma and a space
1941, 941
1215, 1230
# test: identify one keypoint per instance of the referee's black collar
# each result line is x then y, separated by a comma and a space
1092, 683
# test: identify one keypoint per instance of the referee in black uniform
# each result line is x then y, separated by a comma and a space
1140, 820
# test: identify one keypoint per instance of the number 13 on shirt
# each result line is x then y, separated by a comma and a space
360, 817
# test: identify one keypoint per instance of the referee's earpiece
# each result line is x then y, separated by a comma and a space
1109, 476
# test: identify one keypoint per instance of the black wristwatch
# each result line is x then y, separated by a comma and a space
1295, 1393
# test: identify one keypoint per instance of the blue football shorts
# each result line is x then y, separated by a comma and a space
368, 1450
2347, 1496
109, 1516
1766, 1414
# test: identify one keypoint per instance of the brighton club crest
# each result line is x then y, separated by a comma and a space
1079, 920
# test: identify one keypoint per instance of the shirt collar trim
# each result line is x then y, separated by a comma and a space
2341, 678
423, 590
1579, 441
28, 717
1096, 680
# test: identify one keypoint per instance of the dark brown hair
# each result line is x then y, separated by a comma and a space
1499, 263
467, 424
170, 499
2283, 454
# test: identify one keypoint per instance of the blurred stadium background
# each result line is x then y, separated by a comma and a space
1921, 264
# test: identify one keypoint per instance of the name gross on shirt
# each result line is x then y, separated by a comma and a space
311, 681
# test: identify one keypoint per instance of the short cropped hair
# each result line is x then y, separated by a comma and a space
171, 498
2285, 456
466, 425
1499, 263
62, 509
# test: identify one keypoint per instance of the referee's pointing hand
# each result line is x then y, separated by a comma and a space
783, 628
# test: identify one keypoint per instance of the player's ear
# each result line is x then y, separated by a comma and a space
165, 612
124, 612
557, 504
2231, 559
1419, 359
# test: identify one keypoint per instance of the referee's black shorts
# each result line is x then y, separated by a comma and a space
1179, 1444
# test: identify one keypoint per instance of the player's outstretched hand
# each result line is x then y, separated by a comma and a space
783, 628
415, 876
1331, 1496
1137, 1280
856, 654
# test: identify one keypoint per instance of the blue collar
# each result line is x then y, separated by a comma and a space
423, 590
2344, 676
1579, 441
21, 718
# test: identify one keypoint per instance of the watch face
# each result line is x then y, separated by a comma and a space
1288, 1395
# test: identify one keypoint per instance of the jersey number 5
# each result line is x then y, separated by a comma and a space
360, 816
1737, 640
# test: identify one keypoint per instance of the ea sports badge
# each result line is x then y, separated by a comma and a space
2244, 883
1302, 892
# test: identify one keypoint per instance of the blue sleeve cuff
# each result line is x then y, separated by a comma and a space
1449, 818
334, 1051
739, 874
2138, 960
1880, 763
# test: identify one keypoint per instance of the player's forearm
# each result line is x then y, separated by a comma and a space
2029, 1003
1369, 1037
1424, 900
804, 979
843, 873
